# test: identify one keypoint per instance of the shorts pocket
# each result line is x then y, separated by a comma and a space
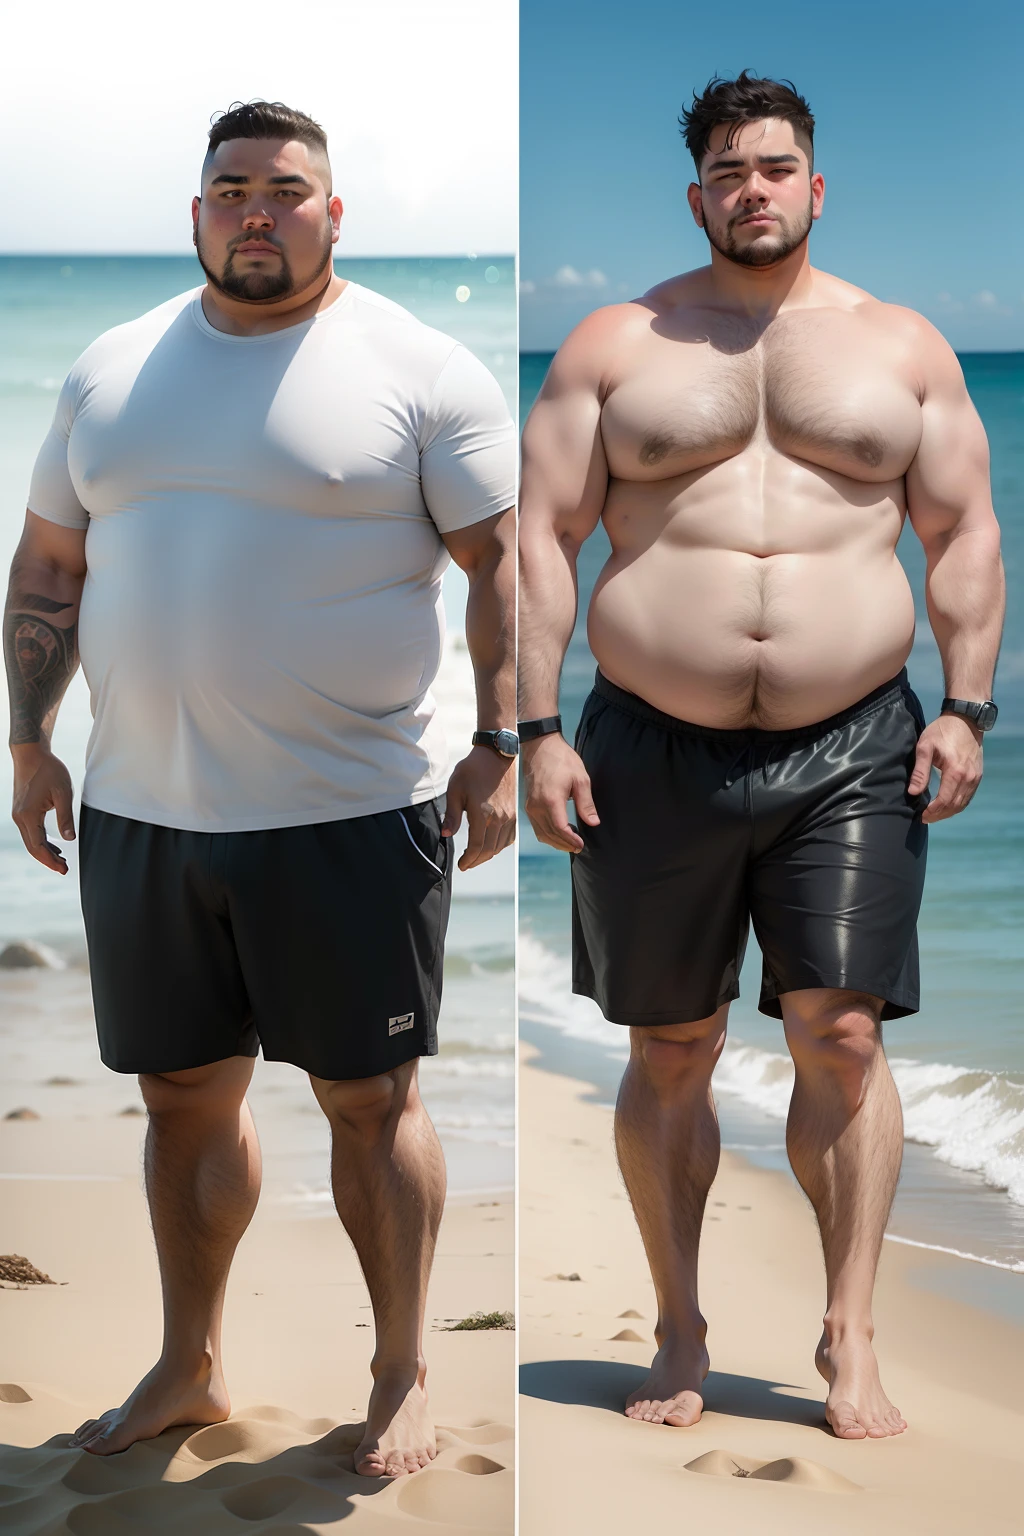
418, 831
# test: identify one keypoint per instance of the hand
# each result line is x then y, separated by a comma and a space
42, 783
953, 746
555, 774
484, 786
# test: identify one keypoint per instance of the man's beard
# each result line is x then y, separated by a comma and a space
766, 250
257, 287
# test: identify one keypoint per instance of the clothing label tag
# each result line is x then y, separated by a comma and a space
399, 1022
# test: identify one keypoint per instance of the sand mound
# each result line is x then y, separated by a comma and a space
279, 1473
797, 1470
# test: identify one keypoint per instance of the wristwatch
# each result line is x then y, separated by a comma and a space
981, 715
529, 730
505, 743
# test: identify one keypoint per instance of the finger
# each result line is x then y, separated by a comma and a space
489, 845
62, 804
583, 800
942, 805
561, 834
508, 834
477, 829
454, 807
922, 769
33, 835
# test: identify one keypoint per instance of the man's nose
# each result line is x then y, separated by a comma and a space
756, 190
256, 217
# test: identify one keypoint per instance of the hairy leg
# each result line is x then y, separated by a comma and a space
202, 1162
666, 1135
388, 1175
845, 1141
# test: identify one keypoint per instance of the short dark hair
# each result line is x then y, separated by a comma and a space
266, 120
747, 99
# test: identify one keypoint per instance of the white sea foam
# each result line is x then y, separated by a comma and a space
972, 1120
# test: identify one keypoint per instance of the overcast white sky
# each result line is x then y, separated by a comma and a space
106, 107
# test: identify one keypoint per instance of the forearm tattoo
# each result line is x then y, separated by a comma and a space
41, 656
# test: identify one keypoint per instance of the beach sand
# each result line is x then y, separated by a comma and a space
297, 1343
955, 1373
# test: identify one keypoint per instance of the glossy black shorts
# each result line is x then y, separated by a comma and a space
808, 833
322, 944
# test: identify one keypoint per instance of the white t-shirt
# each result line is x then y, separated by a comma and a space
262, 617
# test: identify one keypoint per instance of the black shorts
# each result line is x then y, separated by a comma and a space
810, 833
322, 944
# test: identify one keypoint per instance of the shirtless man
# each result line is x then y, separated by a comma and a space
753, 435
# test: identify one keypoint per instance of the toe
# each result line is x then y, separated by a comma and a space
845, 1423
84, 1431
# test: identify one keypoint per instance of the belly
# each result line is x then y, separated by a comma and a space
727, 638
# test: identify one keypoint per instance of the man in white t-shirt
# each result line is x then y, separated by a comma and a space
241, 515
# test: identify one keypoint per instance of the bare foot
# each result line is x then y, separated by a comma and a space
399, 1435
671, 1394
857, 1408
165, 1397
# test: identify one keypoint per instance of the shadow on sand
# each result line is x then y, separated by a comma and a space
607, 1384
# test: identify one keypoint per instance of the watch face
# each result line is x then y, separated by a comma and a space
987, 716
507, 743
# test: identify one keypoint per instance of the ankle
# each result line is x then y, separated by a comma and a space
682, 1330
412, 1368
192, 1363
847, 1328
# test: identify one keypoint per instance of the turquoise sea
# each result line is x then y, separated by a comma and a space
959, 1063
51, 308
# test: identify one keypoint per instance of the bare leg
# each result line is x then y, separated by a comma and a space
666, 1134
845, 1141
202, 1180
388, 1174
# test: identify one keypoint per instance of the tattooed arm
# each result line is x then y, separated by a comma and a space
41, 652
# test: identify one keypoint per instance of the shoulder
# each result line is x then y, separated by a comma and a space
588, 353
388, 322
126, 340
927, 354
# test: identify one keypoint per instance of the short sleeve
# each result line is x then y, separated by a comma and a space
467, 452
51, 494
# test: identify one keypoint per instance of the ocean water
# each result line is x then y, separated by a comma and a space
50, 309
959, 1063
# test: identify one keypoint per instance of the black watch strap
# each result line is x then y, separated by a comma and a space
529, 730
983, 715
505, 743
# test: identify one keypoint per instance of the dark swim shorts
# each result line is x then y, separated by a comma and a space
809, 833
322, 944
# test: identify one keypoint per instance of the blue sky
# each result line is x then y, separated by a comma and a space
918, 134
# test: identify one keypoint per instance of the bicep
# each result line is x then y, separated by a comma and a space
948, 489
52, 545
565, 472
482, 544
467, 453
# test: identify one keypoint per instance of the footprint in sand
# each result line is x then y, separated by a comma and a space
631, 1312
626, 1336
795, 1470
266, 1497
10, 1392
479, 1466
450, 1497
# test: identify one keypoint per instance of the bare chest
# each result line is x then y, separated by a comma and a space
820, 391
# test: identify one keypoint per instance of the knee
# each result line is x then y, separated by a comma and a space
214, 1089
359, 1107
673, 1055
840, 1036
